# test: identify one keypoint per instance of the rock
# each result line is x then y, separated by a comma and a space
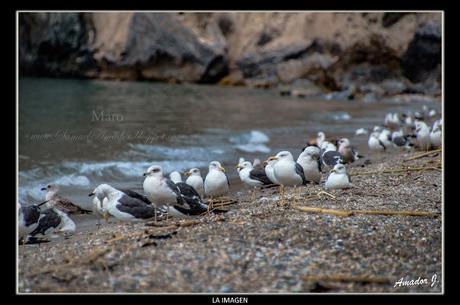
423, 54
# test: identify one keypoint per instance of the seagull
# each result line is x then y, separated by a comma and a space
123, 206
252, 176
62, 203
269, 171
181, 199
361, 131
375, 143
175, 177
329, 156
287, 171
320, 138
309, 160
348, 152
338, 178
194, 179
385, 138
392, 120
436, 134
400, 140
28, 218
53, 220
423, 135
216, 182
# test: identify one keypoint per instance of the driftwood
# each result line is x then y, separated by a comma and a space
346, 213
423, 154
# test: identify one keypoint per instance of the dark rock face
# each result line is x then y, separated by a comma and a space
53, 44
151, 46
423, 54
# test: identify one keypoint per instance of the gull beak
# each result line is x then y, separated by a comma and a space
333, 171
43, 189
272, 158
145, 174
222, 168
187, 174
40, 204
238, 167
91, 194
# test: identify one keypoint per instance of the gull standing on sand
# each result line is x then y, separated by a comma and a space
52, 221
309, 159
329, 156
423, 135
287, 171
216, 182
195, 180
374, 142
348, 152
55, 200
252, 176
338, 178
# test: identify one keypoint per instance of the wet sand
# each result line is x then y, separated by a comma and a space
265, 243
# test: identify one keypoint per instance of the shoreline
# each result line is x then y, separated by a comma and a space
261, 246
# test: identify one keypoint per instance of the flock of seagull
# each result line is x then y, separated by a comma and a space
171, 196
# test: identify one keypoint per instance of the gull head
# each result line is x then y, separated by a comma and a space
101, 191
282, 155
51, 188
215, 165
193, 172
339, 169
311, 151
154, 171
245, 164
344, 142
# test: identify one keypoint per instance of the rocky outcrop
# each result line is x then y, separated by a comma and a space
341, 54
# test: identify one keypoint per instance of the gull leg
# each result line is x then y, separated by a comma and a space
106, 216
253, 195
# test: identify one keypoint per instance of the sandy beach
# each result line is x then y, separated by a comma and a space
356, 241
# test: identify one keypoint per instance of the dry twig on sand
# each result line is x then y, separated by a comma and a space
423, 154
397, 170
347, 213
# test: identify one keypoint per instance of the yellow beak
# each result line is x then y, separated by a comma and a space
272, 158
333, 171
187, 174
238, 167
222, 168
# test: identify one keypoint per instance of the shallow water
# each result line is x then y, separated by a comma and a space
80, 133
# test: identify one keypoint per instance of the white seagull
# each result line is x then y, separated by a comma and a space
374, 142
309, 159
287, 171
252, 176
216, 182
423, 135
195, 180
338, 178
436, 134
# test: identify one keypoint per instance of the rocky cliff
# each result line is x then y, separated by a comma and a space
330, 51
